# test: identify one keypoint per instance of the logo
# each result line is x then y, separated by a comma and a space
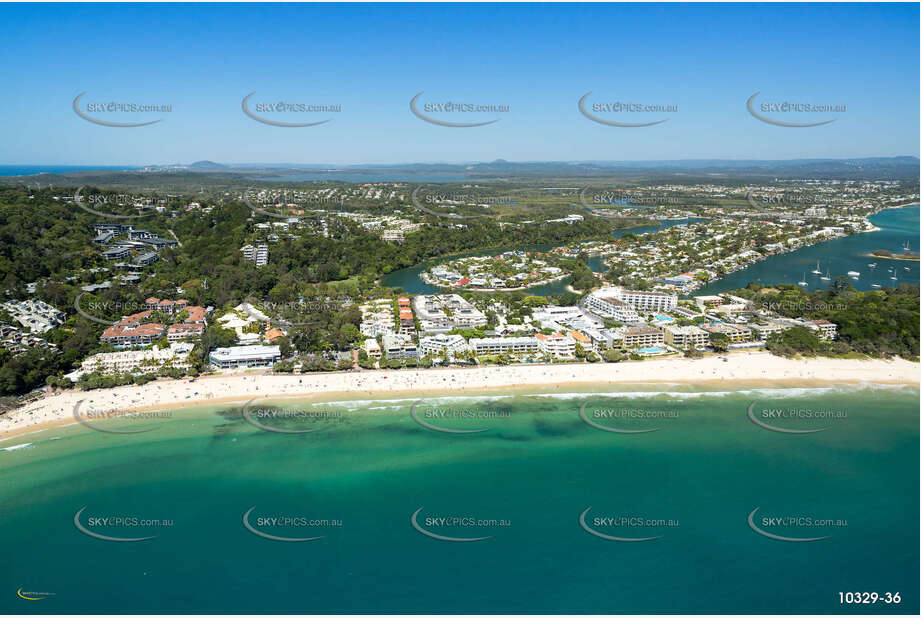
621, 413
415, 416
805, 521
447, 521
618, 107
250, 414
117, 107
283, 106
608, 537
105, 521
104, 415
279, 521
792, 414
450, 215
78, 200
454, 107
786, 107
31, 595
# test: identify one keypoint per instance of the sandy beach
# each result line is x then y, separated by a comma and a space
739, 370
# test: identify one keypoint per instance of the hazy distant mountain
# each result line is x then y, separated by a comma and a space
207, 165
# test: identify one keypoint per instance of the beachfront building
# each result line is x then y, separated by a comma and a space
504, 345
399, 345
736, 333
829, 330
245, 356
642, 336
686, 337
556, 345
763, 331
449, 344
138, 361
372, 348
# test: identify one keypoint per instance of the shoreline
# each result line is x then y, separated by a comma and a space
741, 370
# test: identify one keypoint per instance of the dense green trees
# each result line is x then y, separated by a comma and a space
879, 323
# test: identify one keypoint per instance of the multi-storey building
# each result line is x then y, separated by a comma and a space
686, 337
736, 333
642, 337
611, 307
399, 345
147, 361
450, 344
504, 345
556, 345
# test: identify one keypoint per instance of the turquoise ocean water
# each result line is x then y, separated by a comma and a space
691, 486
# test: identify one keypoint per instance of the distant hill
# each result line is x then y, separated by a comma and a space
207, 165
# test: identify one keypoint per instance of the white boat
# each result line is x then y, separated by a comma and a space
873, 265
816, 271
853, 273
876, 285
803, 282
825, 277
906, 268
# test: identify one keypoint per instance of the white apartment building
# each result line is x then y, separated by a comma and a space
445, 312
450, 344
245, 356
257, 255
504, 345
392, 235
556, 345
684, 337
650, 301
611, 307
146, 361
399, 345
372, 349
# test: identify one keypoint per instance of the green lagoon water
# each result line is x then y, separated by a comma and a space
530, 476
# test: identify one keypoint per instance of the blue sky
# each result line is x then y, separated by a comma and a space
537, 59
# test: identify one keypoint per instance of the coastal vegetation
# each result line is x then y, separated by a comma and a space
877, 323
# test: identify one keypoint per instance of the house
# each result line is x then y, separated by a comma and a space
272, 334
